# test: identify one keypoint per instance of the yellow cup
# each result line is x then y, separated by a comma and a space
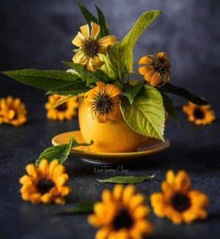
107, 137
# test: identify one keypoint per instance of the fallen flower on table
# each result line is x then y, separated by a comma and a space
12, 111
121, 214
45, 183
66, 110
178, 201
199, 114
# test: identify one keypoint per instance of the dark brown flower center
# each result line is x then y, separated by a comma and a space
198, 114
161, 65
103, 104
122, 220
90, 47
44, 185
180, 202
62, 107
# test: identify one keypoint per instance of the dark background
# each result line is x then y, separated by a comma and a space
38, 34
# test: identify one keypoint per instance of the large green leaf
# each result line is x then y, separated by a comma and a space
131, 91
147, 115
72, 89
43, 79
89, 77
121, 54
86, 13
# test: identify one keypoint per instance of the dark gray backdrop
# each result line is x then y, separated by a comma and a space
38, 34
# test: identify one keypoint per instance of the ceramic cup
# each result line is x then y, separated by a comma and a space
107, 137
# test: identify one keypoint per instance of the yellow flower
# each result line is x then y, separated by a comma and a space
89, 46
66, 110
155, 68
46, 183
12, 111
121, 214
177, 200
104, 101
199, 114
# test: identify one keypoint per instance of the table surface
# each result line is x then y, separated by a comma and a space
193, 148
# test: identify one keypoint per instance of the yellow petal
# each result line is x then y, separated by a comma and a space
32, 170
106, 195
80, 58
89, 65
107, 40
112, 90
128, 192
43, 166
61, 180
144, 60
94, 220
60, 200
141, 211
182, 181
102, 233
155, 79
52, 166
78, 40
101, 118
143, 70
95, 29
136, 200
170, 177
96, 62
117, 191
85, 30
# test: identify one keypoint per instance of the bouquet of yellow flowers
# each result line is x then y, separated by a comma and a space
101, 74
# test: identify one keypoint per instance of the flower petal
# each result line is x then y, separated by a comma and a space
182, 181
85, 31
144, 60
78, 40
95, 29
127, 193
107, 40
155, 79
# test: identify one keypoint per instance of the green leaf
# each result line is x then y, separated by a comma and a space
132, 91
114, 57
184, 93
170, 108
126, 179
86, 13
121, 54
104, 31
72, 89
89, 77
147, 115
43, 79
82, 207
59, 152
129, 40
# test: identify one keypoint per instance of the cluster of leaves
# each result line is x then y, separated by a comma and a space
143, 107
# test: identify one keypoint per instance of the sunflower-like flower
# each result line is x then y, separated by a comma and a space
89, 46
104, 102
155, 68
199, 114
46, 183
121, 214
177, 201
67, 110
12, 111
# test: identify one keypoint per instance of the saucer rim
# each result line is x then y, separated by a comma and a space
161, 145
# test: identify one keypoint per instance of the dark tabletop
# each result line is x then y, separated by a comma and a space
193, 148
37, 33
